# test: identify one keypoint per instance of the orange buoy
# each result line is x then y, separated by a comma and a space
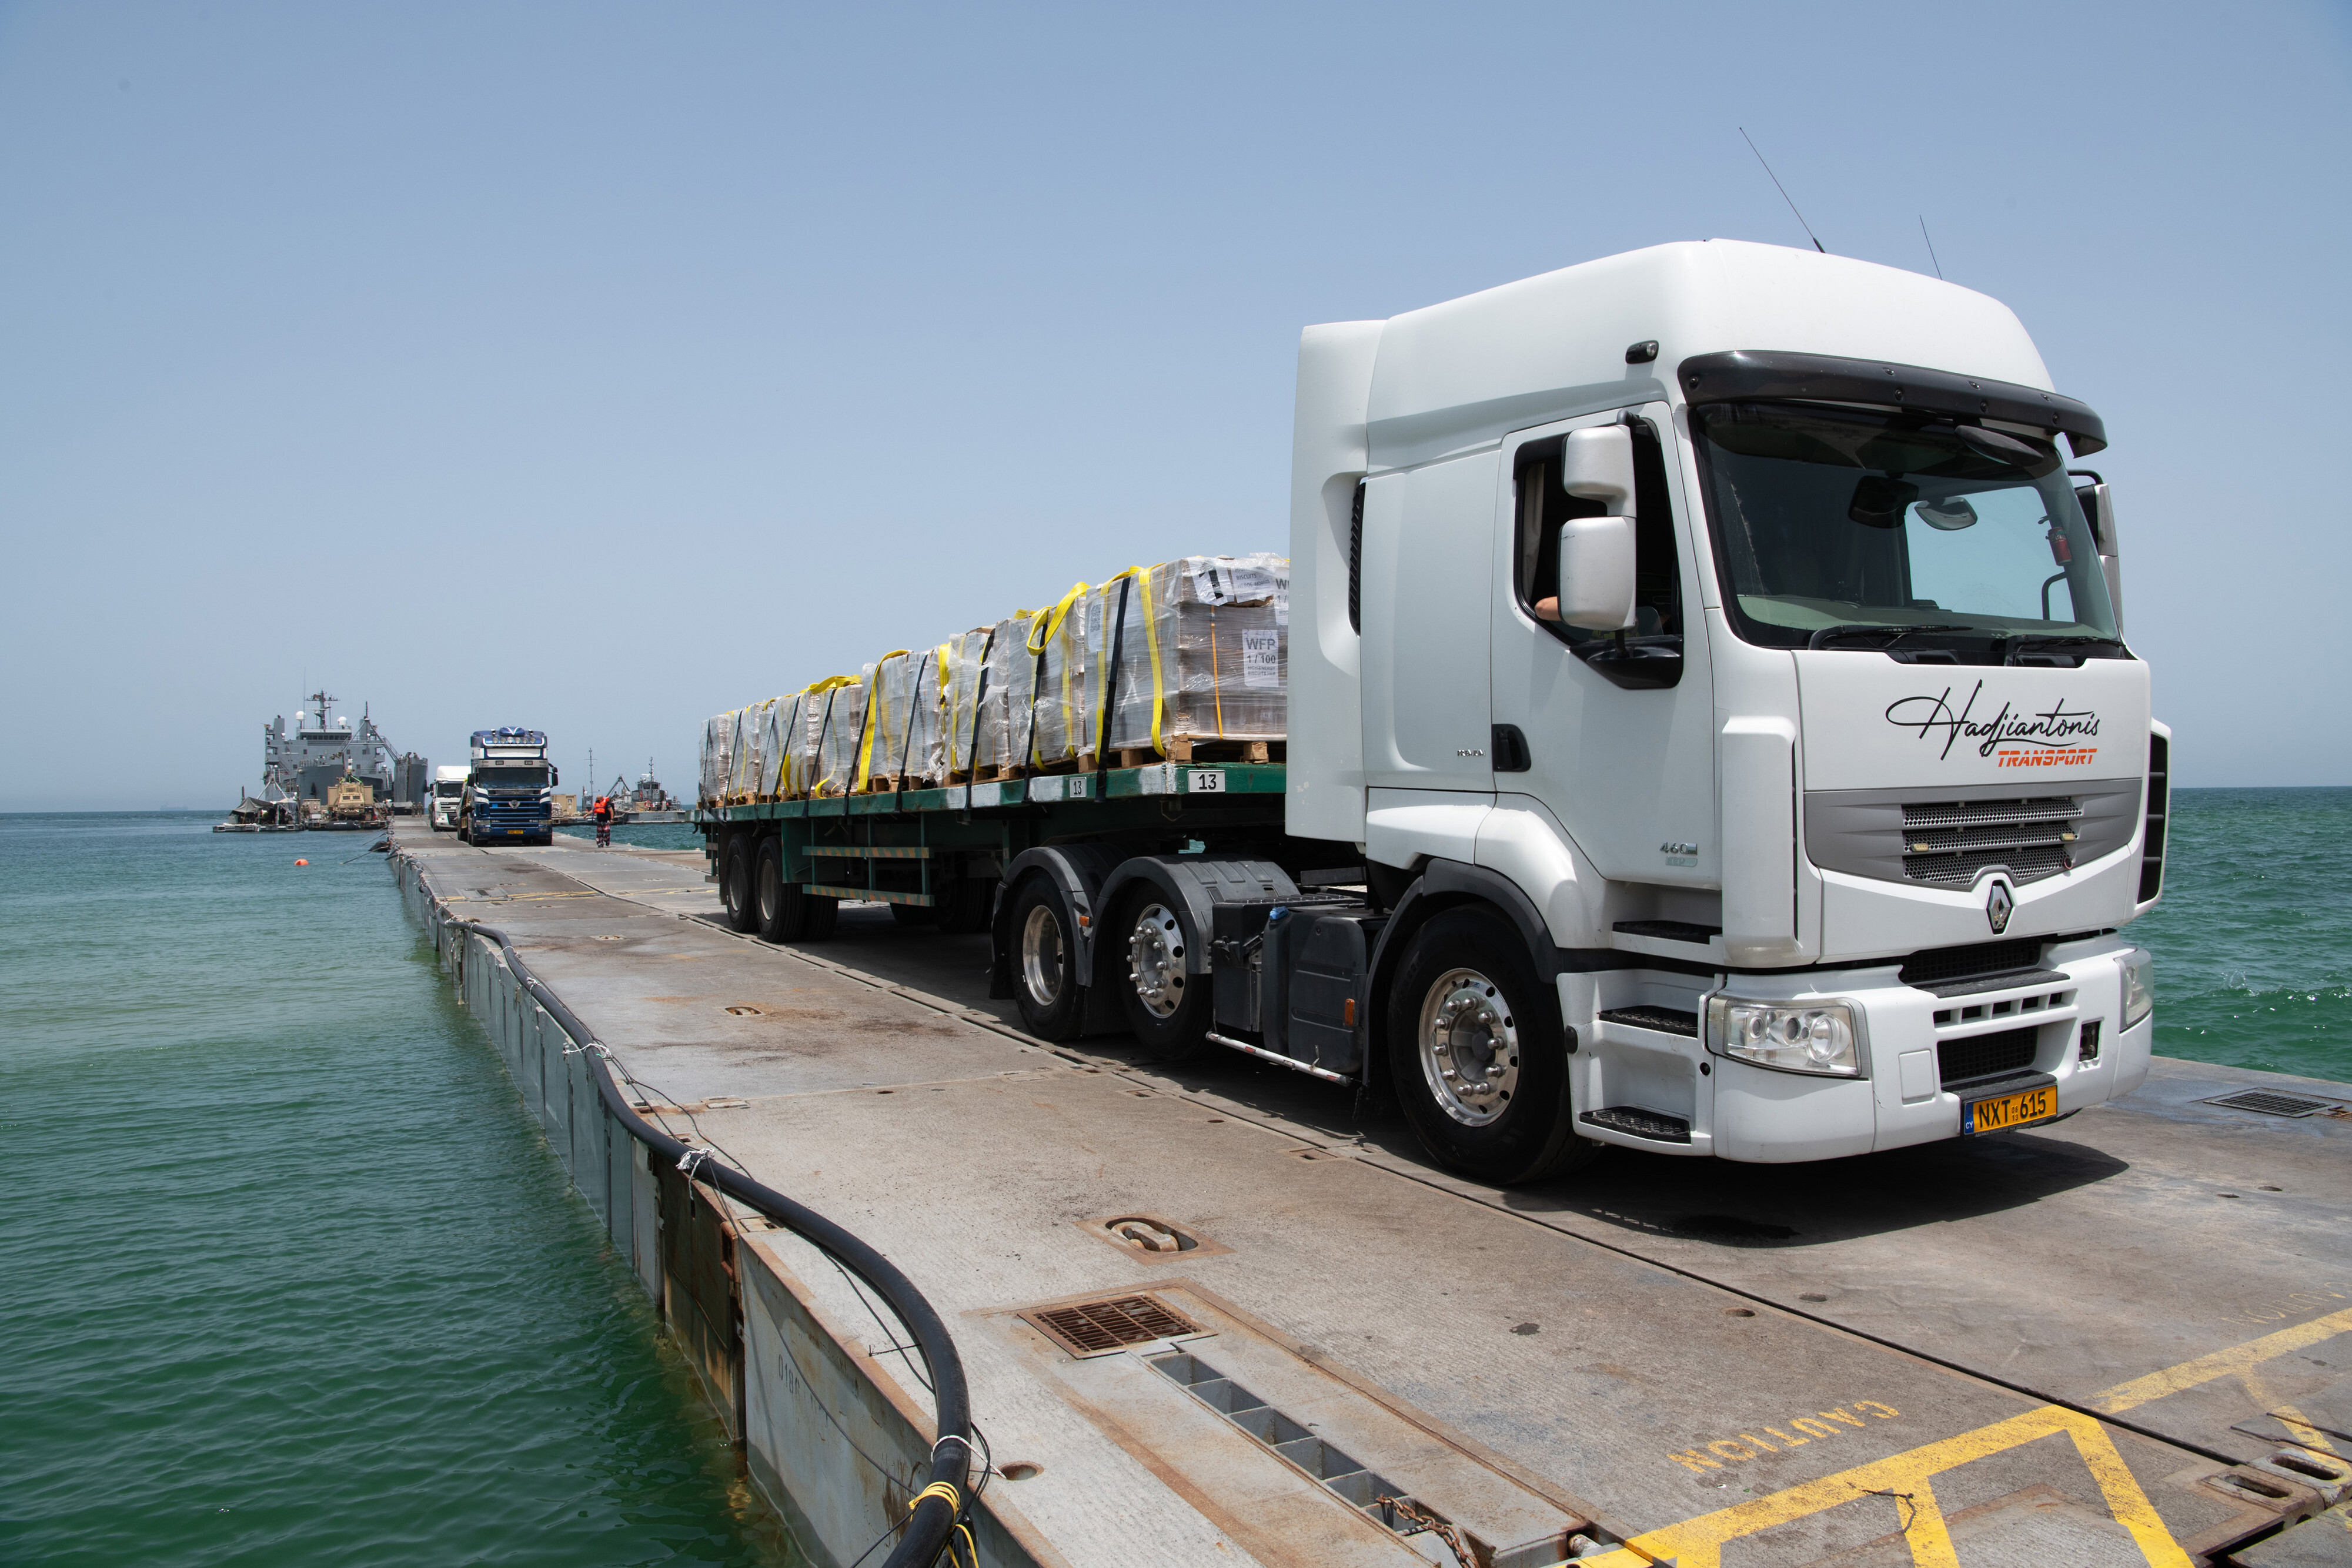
302, 863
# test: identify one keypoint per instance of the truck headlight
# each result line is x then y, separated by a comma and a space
2140, 986
1814, 1038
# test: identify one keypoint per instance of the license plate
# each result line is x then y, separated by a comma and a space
2002, 1111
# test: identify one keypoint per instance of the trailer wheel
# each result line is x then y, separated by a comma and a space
780, 907
735, 883
1044, 962
1168, 1007
966, 907
914, 915
1476, 1054
824, 913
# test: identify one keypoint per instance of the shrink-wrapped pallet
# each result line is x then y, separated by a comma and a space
961, 659
801, 769
1201, 646
1060, 728
739, 760
718, 736
1005, 706
772, 774
840, 730
748, 754
901, 744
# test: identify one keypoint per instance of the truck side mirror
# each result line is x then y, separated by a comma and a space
2099, 511
1596, 573
1598, 465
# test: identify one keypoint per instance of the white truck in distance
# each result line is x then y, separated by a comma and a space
449, 797
1708, 668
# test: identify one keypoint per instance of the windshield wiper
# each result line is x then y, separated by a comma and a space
2013, 646
1893, 635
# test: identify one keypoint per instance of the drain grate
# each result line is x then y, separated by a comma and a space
1370, 1494
2271, 1102
1092, 1328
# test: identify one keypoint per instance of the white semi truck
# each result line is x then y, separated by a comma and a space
449, 797
1710, 670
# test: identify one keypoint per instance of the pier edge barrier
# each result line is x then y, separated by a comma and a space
942, 1510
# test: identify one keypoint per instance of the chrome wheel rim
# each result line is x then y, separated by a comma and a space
1469, 1046
768, 883
1041, 957
1155, 961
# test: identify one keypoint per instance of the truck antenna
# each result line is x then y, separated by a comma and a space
1783, 190
1931, 244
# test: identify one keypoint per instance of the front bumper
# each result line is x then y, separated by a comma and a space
1912, 1040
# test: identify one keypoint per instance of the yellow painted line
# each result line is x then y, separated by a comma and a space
2231, 1362
1905, 1478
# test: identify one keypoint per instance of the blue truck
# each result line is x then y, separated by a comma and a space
511, 793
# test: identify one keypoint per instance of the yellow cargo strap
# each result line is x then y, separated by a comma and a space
875, 706
1109, 699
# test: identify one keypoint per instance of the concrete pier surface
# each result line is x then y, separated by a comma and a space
2122, 1338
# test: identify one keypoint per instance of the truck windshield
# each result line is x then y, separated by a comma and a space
523, 778
450, 788
1845, 517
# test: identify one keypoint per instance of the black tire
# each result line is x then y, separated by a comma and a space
1168, 1009
823, 911
1504, 1116
780, 908
1044, 962
914, 915
969, 903
735, 883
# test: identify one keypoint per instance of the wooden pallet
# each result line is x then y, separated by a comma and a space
1185, 748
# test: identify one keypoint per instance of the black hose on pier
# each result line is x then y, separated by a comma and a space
942, 1502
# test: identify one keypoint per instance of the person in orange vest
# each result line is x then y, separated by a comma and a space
603, 811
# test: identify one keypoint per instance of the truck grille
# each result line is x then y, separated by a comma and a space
1987, 1055
1933, 965
1947, 842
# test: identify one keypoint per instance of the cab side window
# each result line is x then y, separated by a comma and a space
1543, 507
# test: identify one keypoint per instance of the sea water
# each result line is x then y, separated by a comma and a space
2254, 938
289, 1276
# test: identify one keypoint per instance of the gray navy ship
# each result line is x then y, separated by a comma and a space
309, 774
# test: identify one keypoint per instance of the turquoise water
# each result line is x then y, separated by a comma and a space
290, 1277
2253, 939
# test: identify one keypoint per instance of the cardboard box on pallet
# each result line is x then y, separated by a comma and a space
962, 659
840, 728
717, 733
1201, 649
1005, 705
1061, 727
902, 719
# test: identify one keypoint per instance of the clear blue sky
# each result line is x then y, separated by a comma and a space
595, 368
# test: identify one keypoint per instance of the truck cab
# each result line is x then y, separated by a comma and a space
1724, 677
509, 794
448, 799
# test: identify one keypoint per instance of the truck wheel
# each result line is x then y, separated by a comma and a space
780, 907
916, 916
735, 885
1476, 1055
1168, 1008
823, 912
966, 909
1044, 962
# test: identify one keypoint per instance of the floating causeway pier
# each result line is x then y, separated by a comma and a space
1214, 1312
